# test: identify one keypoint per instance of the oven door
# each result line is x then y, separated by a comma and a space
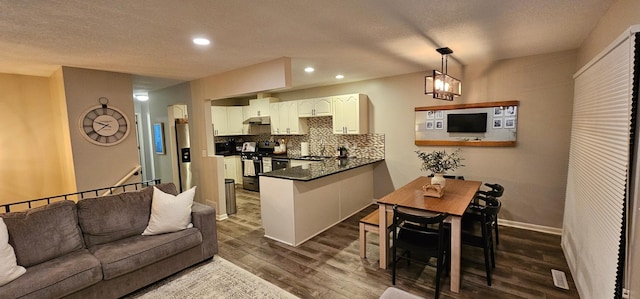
250, 179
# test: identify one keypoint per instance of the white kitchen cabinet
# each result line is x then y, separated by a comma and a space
285, 120
233, 168
227, 121
219, 119
234, 120
315, 107
246, 128
350, 114
260, 107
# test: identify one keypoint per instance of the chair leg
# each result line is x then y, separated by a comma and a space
439, 266
363, 241
486, 264
496, 230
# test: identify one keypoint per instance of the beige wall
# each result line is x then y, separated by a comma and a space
621, 15
98, 166
533, 172
34, 140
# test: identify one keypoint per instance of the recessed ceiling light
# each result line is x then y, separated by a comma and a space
201, 41
339, 76
142, 97
309, 69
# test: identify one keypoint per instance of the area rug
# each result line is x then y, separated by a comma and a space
217, 278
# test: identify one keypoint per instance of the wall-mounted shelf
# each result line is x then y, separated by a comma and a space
432, 128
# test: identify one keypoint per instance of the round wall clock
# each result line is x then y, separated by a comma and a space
104, 125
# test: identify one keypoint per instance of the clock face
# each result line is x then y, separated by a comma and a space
104, 125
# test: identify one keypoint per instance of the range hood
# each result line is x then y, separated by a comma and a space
258, 120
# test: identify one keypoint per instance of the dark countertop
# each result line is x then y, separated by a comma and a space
320, 169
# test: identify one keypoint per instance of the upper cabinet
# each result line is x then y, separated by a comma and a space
350, 114
226, 120
260, 107
315, 107
246, 128
285, 120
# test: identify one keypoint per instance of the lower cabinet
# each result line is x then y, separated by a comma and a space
233, 168
296, 211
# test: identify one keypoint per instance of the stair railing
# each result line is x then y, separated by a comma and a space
84, 194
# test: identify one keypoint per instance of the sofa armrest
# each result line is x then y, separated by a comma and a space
203, 217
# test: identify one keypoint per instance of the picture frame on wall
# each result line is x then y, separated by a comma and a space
511, 111
509, 122
429, 125
497, 111
158, 139
497, 123
439, 125
431, 114
439, 114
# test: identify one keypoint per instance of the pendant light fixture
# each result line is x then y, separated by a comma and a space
440, 84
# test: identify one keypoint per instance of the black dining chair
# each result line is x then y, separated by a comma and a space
420, 238
477, 227
496, 191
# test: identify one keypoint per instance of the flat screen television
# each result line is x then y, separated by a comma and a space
467, 123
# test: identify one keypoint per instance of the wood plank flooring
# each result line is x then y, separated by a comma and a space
329, 265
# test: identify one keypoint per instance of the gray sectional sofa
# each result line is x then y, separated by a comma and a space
94, 248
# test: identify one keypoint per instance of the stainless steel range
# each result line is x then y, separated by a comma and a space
251, 156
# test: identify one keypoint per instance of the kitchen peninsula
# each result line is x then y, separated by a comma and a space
298, 203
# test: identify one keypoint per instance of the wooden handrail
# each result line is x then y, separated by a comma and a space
131, 173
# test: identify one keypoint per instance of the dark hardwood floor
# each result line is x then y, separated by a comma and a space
329, 265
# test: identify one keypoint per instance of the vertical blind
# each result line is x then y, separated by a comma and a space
598, 167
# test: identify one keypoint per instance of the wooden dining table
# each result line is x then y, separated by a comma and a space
457, 196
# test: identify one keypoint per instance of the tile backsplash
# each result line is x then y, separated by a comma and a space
322, 141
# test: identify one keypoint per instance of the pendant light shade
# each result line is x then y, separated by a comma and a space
440, 84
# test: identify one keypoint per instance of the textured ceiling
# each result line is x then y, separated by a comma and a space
361, 39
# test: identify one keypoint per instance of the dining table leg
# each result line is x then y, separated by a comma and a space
383, 236
456, 227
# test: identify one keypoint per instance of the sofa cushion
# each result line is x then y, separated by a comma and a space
57, 277
43, 233
170, 213
110, 218
126, 255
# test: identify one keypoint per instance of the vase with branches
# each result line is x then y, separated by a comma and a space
439, 162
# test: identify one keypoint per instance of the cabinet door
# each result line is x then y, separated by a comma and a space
234, 120
291, 112
350, 114
261, 107
230, 171
322, 107
306, 107
276, 120
246, 113
219, 119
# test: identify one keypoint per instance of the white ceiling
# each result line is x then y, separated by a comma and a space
361, 39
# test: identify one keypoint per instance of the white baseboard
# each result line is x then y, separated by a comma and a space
222, 217
529, 226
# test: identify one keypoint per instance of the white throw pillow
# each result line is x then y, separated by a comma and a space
9, 269
170, 213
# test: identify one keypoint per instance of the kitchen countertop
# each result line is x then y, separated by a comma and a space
320, 169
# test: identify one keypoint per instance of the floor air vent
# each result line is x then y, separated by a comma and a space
559, 279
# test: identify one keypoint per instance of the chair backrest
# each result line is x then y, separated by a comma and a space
418, 224
496, 190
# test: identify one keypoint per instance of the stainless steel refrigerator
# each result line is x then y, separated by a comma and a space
184, 153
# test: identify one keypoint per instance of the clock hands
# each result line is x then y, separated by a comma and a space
104, 125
